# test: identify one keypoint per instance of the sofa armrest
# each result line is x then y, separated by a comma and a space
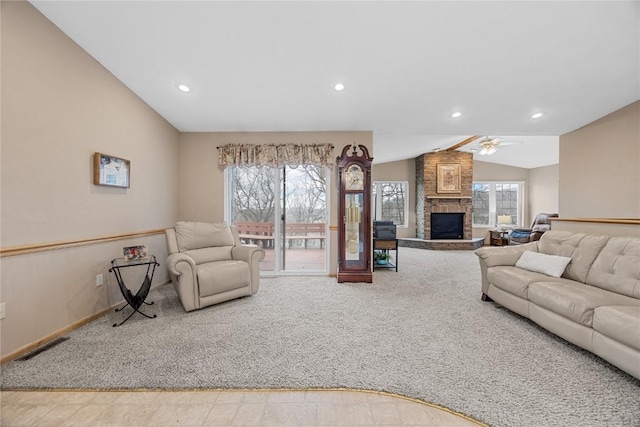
253, 255
248, 253
180, 263
503, 255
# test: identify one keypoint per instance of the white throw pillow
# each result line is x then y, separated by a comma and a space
551, 265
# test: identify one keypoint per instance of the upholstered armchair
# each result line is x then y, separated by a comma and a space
541, 223
209, 265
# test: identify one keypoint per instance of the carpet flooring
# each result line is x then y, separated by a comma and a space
422, 332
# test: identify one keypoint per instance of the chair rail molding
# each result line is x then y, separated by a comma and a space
43, 247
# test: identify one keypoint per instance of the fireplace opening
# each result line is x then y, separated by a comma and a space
447, 225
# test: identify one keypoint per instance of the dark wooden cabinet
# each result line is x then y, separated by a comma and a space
498, 238
354, 215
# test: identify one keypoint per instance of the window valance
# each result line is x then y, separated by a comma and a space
275, 155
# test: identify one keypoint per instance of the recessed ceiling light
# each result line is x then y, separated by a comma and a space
536, 115
456, 114
339, 87
183, 88
435, 150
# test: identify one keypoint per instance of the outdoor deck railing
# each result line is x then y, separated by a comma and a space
263, 233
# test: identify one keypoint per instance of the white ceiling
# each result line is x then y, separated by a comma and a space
271, 66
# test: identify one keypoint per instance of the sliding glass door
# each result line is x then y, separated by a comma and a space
283, 210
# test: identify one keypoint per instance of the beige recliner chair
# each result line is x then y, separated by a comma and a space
209, 265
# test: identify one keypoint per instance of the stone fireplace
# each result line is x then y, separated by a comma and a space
429, 201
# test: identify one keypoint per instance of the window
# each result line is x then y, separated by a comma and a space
494, 199
481, 204
391, 202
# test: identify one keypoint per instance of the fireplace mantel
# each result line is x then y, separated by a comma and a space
449, 197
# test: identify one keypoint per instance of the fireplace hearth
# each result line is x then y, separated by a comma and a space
449, 225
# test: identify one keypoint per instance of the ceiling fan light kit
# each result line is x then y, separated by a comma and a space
487, 150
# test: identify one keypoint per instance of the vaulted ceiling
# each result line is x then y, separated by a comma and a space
405, 66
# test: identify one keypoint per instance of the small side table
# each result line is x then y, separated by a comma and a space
386, 245
135, 301
498, 238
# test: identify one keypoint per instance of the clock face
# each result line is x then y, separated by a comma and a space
354, 178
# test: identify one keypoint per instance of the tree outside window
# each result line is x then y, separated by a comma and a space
391, 202
493, 199
481, 201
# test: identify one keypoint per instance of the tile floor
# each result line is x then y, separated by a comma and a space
219, 408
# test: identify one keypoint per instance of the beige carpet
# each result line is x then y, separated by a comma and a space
422, 332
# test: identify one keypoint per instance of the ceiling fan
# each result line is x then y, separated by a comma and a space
488, 145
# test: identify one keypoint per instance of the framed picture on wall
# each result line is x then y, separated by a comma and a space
449, 178
110, 170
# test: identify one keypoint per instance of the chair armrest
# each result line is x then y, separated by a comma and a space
248, 253
504, 255
179, 263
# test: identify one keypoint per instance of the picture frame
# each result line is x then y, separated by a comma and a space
449, 178
111, 171
135, 253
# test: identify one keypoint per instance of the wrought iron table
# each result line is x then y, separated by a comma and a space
135, 301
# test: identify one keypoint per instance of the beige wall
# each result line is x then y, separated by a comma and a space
202, 183
485, 171
59, 106
403, 170
543, 190
604, 228
600, 167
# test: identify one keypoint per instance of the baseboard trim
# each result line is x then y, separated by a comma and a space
27, 348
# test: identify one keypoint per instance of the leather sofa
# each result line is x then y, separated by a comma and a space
541, 224
208, 264
595, 303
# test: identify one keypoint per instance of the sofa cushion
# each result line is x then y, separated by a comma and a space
515, 280
580, 247
573, 300
622, 323
551, 265
204, 255
617, 267
222, 276
196, 235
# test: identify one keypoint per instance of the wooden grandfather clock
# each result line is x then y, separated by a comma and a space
354, 215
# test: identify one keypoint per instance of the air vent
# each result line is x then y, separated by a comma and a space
45, 347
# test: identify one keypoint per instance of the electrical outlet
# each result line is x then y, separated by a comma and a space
2, 312
99, 280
